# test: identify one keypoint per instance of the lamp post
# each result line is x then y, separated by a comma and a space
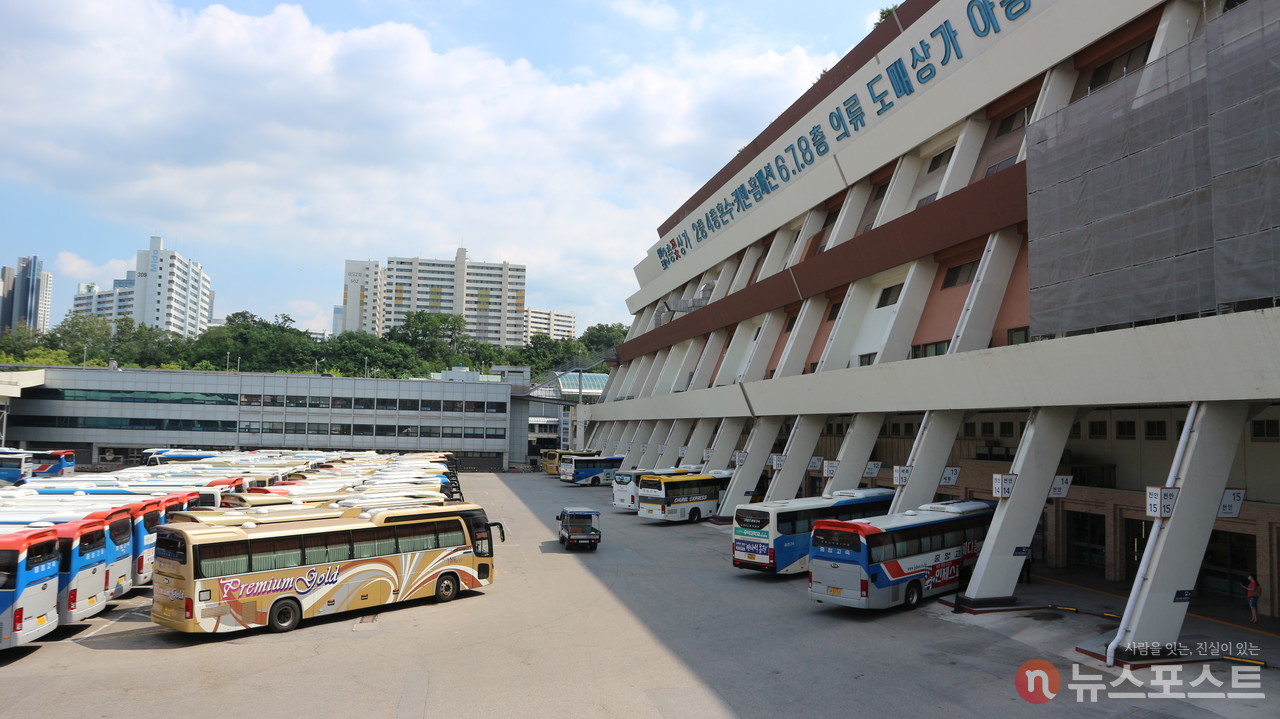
237, 363
366, 367
228, 360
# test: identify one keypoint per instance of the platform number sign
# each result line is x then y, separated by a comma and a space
1061, 485
683, 451
901, 474
777, 460
1160, 501
1231, 501
706, 455
872, 469
829, 467
740, 458
949, 476
1002, 485
815, 464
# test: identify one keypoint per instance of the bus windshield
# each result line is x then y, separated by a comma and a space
837, 539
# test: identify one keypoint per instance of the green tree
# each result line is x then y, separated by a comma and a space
46, 356
81, 336
602, 337
435, 336
18, 340
251, 344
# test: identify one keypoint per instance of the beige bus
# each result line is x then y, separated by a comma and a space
212, 578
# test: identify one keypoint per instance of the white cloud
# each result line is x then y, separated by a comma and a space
309, 315
72, 266
274, 140
655, 15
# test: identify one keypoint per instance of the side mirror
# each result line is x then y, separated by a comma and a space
559, 517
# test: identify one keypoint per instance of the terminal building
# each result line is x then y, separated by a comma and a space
1028, 238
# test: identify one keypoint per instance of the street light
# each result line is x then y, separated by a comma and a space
228, 360
366, 367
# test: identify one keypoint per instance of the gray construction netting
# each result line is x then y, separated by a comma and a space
1159, 194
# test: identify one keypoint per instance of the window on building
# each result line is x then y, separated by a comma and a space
878, 193
1006, 429
1097, 429
932, 349
1265, 430
889, 296
941, 159
452, 405
866, 360
960, 274
926, 200
1156, 430
1126, 429
1019, 335
834, 311
1117, 68
1075, 431
970, 430
988, 430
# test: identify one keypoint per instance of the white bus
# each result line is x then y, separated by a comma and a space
774, 536
589, 470
626, 484
898, 558
682, 497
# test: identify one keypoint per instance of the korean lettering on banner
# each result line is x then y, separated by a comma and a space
949, 476
815, 464
1061, 485
901, 474
1231, 501
829, 467
871, 470
1245, 682
902, 77
1160, 501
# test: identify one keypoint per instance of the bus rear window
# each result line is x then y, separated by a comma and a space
8, 568
655, 484
751, 519
171, 545
837, 539
150, 521
92, 541
41, 553
121, 532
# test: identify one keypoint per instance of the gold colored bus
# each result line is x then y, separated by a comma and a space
212, 578
551, 458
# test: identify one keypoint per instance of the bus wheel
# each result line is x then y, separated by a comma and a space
284, 616
446, 587
912, 598
695, 514
595, 481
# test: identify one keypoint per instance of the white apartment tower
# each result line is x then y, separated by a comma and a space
556, 325
164, 290
489, 296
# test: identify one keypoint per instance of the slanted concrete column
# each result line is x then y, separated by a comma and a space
1207, 450
614, 439
996, 573
759, 445
855, 451
762, 348
675, 439
617, 381
855, 201
661, 430
928, 458
631, 459
629, 445
800, 445
655, 370
986, 292
812, 314
703, 431
725, 443
706, 363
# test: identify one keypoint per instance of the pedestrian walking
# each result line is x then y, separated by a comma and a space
1252, 590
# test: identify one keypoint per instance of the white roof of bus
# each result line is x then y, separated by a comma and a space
933, 512
815, 502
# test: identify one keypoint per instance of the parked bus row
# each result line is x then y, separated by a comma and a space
16, 465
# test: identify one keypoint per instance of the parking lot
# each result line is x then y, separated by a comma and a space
657, 623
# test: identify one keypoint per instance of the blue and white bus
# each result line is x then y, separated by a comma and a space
899, 558
15, 466
28, 584
626, 484
773, 536
84, 581
589, 470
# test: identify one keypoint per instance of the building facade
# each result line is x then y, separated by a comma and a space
164, 290
490, 296
111, 416
26, 295
1034, 239
556, 325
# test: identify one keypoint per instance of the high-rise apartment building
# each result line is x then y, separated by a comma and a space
26, 295
489, 295
164, 290
556, 325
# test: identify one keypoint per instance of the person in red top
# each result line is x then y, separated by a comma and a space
1252, 590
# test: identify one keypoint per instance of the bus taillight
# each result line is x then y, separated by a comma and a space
142, 562
770, 556
863, 587
189, 607
106, 580
71, 599
811, 580
17, 620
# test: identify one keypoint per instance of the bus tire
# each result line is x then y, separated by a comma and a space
284, 615
595, 481
446, 587
695, 515
911, 599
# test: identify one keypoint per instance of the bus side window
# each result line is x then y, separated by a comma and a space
282, 553
451, 533
416, 537
220, 560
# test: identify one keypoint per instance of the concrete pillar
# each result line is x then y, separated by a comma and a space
996, 573
743, 276
764, 431
812, 314
800, 445
724, 278
1207, 449
735, 355
682, 373
628, 442
846, 226
928, 458
859, 442
986, 292
661, 431
898, 194
655, 370
778, 253
635, 378
1177, 27
670, 371
675, 440
1055, 94
612, 440
762, 348
707, 361
725, 443
644, 432
964, 156
703, 431
617, 380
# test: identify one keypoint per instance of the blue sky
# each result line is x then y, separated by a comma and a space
270, 142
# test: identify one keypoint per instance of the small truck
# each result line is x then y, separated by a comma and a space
579, 525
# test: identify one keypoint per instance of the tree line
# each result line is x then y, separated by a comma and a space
427, 342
